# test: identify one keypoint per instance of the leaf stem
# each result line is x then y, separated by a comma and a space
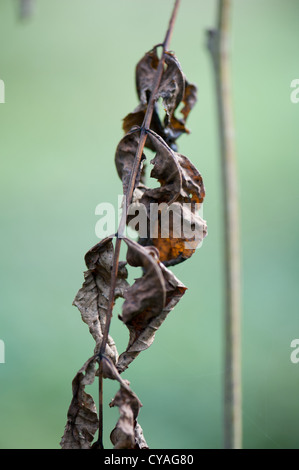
218, 45
129, 195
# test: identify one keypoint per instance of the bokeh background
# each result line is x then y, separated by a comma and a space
69, 78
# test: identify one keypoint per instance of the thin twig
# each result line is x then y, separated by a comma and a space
129, 194
218, 44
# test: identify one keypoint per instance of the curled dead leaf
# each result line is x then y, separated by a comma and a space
173, 90
172, 85
173, 223
125, 155
127, 433
144, 319
139, 307
92, 298
82, 420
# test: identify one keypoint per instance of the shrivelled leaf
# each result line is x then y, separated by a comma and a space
172, 85
123, 435
192, 183
127, 433
140, 442
189, 99
175, 169
92, 298
166, 170
139, 307
186, 231
124, 158
110, 372
173, 90
177, 125
82, 420
135, 119
176, 229
144, 321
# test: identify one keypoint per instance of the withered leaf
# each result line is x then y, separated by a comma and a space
127, 433
138, 307
172, 85
173, 90
164, 291
186, 231
82, 420
135, 119
189, 99
166, 170
177, 125
140, 442
175, 169
123, 435
124, 158
182, 189
92, 298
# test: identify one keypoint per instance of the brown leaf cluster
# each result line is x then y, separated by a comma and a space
151, 297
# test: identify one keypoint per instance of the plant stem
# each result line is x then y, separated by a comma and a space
26, 8
100, 437
130, 190
218, 44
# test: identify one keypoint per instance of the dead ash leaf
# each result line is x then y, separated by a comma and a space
125, 156
92, 298
127, 433
143, 321
82, 420
172, 85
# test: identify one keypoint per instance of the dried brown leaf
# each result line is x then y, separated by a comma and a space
174, 89
135, 119
123, 435
127, 433
177, 126
172, 85
186, 231
182, 189
92, 298
166, 170
144, 320
139, 307
124, 158
189, 99
82, 420
176, 174
140, 442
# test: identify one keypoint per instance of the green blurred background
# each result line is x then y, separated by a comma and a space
69, 77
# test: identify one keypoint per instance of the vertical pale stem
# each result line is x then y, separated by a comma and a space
219, 47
